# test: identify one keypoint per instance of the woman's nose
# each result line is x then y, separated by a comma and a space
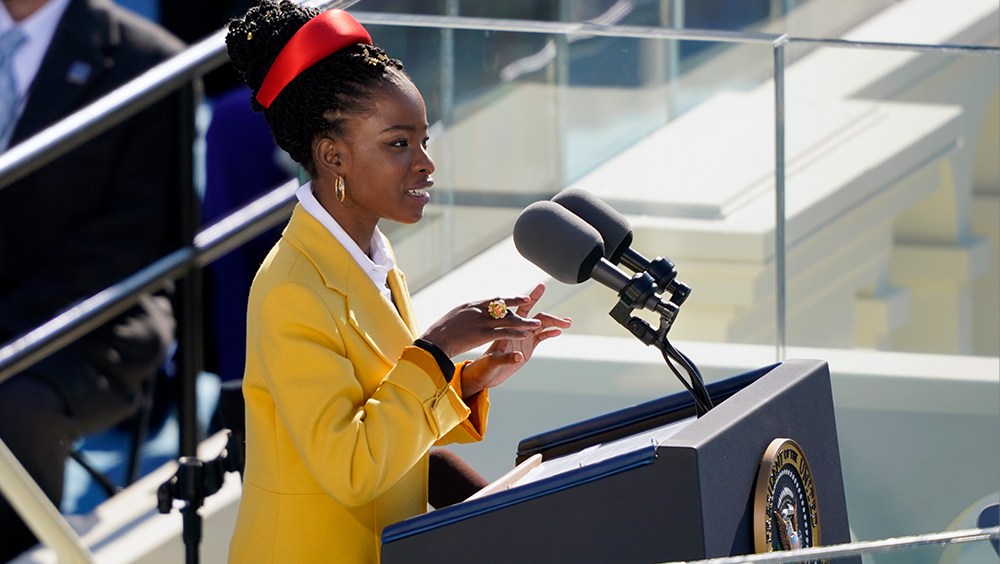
425, 163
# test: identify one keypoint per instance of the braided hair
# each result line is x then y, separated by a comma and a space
317, 100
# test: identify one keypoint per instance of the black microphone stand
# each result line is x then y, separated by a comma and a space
640, 289
192, 483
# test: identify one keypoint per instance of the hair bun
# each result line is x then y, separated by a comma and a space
320, 98
254, 41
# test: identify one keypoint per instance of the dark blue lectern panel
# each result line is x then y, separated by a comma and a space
685, 496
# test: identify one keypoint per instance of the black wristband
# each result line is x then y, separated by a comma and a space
447, 366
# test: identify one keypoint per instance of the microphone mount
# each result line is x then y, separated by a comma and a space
662, 271
641, 292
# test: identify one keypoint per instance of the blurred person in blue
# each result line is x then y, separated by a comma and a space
242, 163
78, 225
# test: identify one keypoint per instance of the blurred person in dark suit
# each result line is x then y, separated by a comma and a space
78, 225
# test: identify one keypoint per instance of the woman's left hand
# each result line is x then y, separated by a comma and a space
506, 356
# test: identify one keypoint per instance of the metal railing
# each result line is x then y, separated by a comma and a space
864, 548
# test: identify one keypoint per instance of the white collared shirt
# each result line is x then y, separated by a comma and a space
38, 30
377, 267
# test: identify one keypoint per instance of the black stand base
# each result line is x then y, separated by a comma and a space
192, 483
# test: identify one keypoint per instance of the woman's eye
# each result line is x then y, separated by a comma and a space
400, 143
424, 142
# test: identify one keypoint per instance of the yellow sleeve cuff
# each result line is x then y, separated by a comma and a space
478, 406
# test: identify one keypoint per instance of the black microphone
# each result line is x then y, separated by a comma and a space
616, 232
570, 250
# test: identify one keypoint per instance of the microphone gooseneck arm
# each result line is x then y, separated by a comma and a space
639, 292
642, 291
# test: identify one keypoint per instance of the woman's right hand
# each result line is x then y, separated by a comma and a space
470, 325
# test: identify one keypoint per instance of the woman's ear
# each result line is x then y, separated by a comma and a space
327, 155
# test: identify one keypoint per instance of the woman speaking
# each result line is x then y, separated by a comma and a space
344, 397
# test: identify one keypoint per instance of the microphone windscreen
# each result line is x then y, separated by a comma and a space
613, 227
558, 241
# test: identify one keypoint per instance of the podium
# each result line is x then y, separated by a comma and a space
650, 483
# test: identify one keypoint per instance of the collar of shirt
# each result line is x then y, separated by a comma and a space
38, 29
377, 267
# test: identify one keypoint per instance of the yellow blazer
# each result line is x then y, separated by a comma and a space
341, 410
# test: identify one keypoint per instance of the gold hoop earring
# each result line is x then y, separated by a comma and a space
339, 188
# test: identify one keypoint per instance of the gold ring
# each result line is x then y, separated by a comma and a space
497, 309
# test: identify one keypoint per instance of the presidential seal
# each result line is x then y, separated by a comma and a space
785, 509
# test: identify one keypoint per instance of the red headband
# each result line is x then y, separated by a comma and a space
320, 37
